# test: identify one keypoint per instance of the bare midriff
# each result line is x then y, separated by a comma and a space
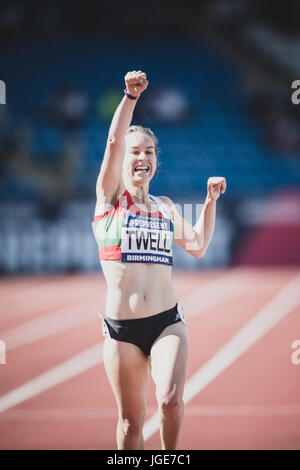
137, 290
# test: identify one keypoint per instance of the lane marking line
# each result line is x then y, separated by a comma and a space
48, 325
57, 375
43, 296
63, 319
18, 414
279, 306
232, 283
74, 366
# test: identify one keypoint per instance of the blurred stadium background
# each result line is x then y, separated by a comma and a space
219, 101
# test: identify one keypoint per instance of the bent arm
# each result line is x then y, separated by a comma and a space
185, 236
205, 225
111, 167
194, 239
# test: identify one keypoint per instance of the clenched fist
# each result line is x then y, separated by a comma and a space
215, 186
136, 82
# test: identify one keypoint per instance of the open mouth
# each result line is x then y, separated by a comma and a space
141, 169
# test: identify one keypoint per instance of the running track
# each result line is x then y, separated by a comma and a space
242, 389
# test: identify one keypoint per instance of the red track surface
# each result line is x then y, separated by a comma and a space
253, 404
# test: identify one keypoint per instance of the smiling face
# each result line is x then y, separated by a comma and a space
140, 159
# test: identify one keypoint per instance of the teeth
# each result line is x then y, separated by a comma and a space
145, 168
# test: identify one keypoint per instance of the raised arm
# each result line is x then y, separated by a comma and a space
111, 168
196, 239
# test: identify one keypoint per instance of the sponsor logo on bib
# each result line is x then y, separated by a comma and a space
180, 313
105, 329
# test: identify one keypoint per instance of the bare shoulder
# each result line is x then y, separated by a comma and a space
166, 200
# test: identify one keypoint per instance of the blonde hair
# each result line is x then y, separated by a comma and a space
144, 130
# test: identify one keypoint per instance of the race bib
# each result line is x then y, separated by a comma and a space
146, 239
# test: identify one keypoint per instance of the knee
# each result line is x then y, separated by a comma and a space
131, 426
170, 405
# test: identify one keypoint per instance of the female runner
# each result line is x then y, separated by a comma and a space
144, 326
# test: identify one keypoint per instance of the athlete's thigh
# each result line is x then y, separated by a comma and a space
169, 361
127, 370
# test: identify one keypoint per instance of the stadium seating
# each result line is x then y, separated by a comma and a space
220, 138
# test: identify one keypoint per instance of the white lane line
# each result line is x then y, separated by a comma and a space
53, 323
38, 305
243, 410
22, 393
36, 295
57, 375
231, 284
111, 412
280, 305
43, 297
18, 294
